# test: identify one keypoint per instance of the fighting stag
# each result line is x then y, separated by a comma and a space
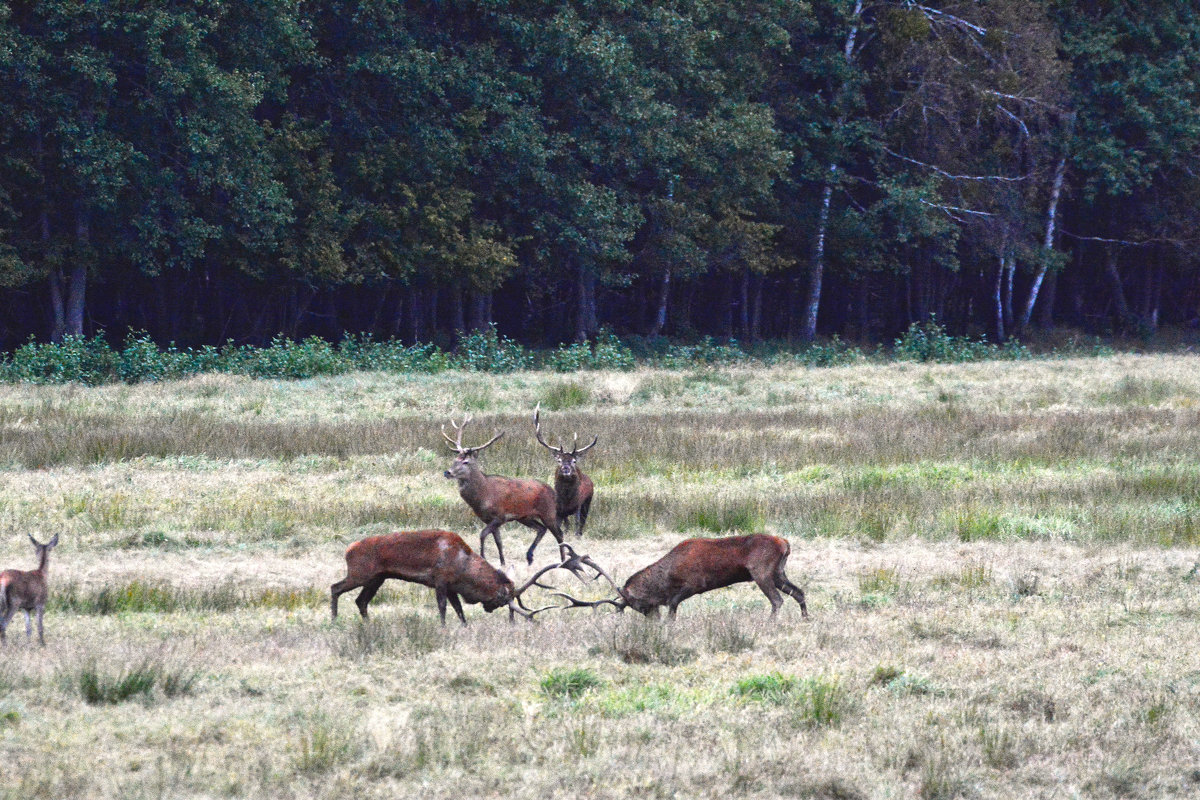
695, 566
26, 591
572, 489
496, 499
440, 560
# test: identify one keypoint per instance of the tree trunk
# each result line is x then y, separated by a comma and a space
76, 278
756, 309
812, 300
1047, 243
458, 317
999, 298
586, 323
1124, 318
660, 313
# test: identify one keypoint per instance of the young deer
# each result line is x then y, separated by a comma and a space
496, 499
26, 591
438, 559
695, 566
572, 489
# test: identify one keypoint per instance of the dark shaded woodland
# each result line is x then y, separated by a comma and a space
235, 169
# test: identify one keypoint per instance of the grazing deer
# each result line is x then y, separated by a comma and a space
441, 560
496, 499
572, 489
26, 591
695, 566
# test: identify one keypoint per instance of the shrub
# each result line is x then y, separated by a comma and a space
485, 350
76, 359
929, 341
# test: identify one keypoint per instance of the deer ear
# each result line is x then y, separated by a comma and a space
53, 541
507, 569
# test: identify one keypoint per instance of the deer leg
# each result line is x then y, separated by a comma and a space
454, 602
28, 624
41, 637
366, 595
768, 588
541, 531
673, 603
582, 516
492, 529
337, 590
792, 589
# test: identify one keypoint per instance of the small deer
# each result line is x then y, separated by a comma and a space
496, 499
695, 566
441, 560
572, 489
26, 591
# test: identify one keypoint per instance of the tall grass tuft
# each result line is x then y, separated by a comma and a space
101, 684
647, 641
570, 684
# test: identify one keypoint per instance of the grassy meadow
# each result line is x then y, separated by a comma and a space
1002, 562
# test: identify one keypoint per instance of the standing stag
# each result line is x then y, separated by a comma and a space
438, 559
695, 566
572, 489
496, 499
26, 591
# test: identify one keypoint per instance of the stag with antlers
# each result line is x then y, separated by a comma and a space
496, 499
695, 566
442, 561
573, 490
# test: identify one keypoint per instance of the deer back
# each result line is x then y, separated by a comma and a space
699, 565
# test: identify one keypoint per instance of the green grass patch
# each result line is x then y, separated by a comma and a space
570, 684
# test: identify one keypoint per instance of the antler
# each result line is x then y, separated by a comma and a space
574, 603
537, 431
575, 451
513, 610
456, 443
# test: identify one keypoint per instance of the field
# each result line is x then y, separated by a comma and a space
1002, 562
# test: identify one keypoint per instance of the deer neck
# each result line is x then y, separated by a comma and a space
473, 486
43, 567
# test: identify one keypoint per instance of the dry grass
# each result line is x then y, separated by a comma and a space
1000, 559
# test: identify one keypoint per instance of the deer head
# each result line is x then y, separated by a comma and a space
566, 460
464, 462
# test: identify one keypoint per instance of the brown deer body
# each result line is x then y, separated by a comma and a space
26, 591
438, 559
497, 499
695, 566
573, 489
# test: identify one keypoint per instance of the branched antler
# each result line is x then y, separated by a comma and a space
456, 443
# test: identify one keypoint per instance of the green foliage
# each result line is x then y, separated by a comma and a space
929, 341
570, 684
485, 350
76, 359
818, 701
564, 395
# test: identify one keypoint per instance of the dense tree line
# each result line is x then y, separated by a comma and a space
233, 169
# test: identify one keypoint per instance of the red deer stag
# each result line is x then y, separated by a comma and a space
438, 559
26, 591
572, 489
695, 566
496, 499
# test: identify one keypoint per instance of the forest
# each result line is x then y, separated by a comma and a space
212, 171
